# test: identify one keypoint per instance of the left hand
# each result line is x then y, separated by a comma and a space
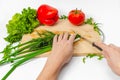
62, 50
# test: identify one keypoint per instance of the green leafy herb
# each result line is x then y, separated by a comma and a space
91, 55
100, 57
84, 59
91, 22
63, 17
20, 24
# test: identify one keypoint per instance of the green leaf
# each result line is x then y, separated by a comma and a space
84, 59
20, 24
63, 17
91, 22
92, 55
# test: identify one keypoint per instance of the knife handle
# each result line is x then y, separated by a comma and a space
99, 48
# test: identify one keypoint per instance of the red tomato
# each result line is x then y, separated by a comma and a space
47, 15
76, 17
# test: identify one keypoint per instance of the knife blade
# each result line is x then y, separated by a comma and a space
92, 43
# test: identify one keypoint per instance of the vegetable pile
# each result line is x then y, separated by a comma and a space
26, 22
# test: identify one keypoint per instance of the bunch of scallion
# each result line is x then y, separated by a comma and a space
21, 53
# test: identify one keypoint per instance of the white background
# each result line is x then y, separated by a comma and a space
106, 12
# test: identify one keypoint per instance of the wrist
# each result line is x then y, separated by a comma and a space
50, 71
54, 64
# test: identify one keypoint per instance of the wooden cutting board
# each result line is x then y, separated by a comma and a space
81, 47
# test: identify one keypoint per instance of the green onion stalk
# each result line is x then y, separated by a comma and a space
21, 53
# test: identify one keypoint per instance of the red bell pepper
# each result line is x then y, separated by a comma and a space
47, 15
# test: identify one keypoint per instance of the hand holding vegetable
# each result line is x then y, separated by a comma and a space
61, 54
112, 54
62, 48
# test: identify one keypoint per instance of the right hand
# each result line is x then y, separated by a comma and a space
112, 54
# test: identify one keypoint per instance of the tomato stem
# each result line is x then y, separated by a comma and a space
76, 11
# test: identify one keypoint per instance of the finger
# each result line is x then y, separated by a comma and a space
106, 55
105, 48
114, 47
60, 37
66, 36
102, 45
109, 63
113, 53
72, 38
55, 39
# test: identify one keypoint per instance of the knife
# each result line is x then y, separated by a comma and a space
92, 43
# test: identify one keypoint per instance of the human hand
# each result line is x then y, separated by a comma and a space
112, 54
61, 54
62, 49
